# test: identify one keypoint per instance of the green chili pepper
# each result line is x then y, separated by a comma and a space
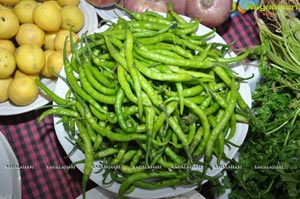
130, 125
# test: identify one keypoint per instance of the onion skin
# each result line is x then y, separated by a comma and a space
212, 13
179, 6
144, 5
102, 3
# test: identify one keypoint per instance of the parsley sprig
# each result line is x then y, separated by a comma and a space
270, 155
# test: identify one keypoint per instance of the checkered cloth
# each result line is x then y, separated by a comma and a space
37, 150
36, 145
241, 31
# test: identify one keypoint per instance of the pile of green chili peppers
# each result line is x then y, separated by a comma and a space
149, 95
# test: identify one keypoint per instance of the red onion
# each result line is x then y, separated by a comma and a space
212, 13
144, 5
102, 3
179, 6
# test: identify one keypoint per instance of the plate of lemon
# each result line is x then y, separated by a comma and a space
31, 47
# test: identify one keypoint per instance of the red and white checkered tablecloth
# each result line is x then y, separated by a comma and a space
36, 145
241, 31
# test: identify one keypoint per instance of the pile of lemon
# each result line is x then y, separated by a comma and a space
32, 37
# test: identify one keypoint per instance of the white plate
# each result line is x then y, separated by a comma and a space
238, 138
91, 23
90, 17
100, 193
10, 177
109, 13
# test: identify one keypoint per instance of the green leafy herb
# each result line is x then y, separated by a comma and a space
270, 156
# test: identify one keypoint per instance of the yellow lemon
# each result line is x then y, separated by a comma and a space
55, 3
9, 2
9, 24
72, 17
7, 63
22, 91
19, 74
45, 71
55, 62
30, 33
60, 38
68, 2
49, 40
6, 7
30, 58
4, 84
47, 16
7, 44
24, 10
